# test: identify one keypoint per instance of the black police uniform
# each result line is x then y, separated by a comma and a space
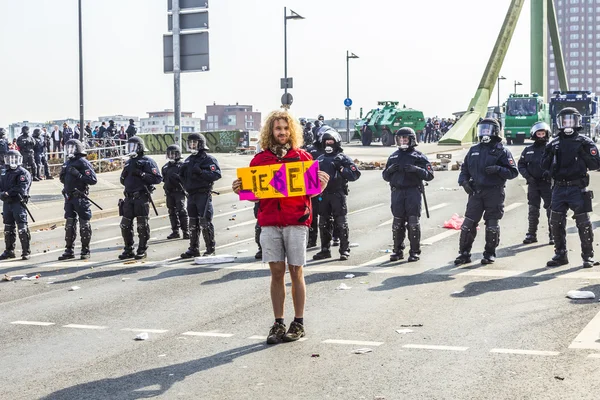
315, 151
332, 202
3, 149
175, 197
568, 158
77, 174
138, 176
111, 131
257, 231
539, 187
14, 191
198, 174
406, 180
486, 168
26, 144
131, 131
39, 155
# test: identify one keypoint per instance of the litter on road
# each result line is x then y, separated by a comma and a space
412, 326
142, 336
362, 351
454, 223
580, 295
349, 276
225, 258
353, 245
343, 287
403, 331
74, 288
242, 251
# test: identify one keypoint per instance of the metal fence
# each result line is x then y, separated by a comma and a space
103, 154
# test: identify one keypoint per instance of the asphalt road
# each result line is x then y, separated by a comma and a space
503, 331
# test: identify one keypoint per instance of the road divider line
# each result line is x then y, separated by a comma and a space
76, 326
251, 222
434, 347
525, 352
512, 206
587, 338
366, 209
432, 208
208, 334
37, 323
145, 330
352, 342
439, 236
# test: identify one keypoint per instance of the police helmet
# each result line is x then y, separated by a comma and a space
173, 153
568, 120
327, 133
488, 129
321, 117
308, 125
135, 147
405, 132
25, 130
36, 133
2, 133
13, 159
196, 142
540, 126
74, 148
302, 121
111, 122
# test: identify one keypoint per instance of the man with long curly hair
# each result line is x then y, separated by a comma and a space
284, 223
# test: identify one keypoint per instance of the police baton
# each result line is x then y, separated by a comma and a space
422, 190
83, 196
151, 201
22, 201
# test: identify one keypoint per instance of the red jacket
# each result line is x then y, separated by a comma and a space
288, 210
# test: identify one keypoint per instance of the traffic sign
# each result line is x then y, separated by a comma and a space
287, 82
194, 52
188, 21
287, 99
348, 102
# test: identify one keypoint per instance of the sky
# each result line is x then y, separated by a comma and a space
428, 54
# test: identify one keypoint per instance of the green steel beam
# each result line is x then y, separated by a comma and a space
539, 47
559, 61
464, 131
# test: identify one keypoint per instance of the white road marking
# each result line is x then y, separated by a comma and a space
251, 222
526, 352
433, 347
433, 208
32, 323
587, 338
76, 326
439, 236
595, 355
366, 209
208, 334
145, 330
492, 273
352, 342
512, 206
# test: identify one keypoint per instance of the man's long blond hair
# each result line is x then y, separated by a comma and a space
266, 133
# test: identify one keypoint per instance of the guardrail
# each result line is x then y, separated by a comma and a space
104, 154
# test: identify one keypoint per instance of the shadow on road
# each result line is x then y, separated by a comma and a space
129, 387
430, 276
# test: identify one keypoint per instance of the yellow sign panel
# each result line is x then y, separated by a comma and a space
279, 180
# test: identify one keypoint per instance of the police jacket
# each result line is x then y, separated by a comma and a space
484, 155
15, 182
3, 148
171, 178
285, 211
315, 151
530, 163
199, 172
110, 132
398, 177
77, 173
341, 170
140, 173
308, 137
39, 146
25, 144
67, 135
568, 158
131, 131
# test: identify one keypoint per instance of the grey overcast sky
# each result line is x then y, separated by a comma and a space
427, 54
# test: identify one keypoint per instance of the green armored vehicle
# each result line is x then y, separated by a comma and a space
381, 123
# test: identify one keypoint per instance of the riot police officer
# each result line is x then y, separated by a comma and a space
315, 151
174, 193
332, 202
568, 158
26, 144
38, 153
257, 231
15, 182
139, 175
483, 175
405, 170
307, 133
198, 174
3, 146
77, 174
538, 180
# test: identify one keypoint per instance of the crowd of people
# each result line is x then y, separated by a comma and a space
435, 129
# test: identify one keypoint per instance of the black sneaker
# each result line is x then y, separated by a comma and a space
323, 254
558, 260
588, 262
488, 259
67, 255
335, 242
258, 255
276, 333
396, 256
344, 255
140, 255
7, 254
186, 235
174, 235
462, 259
25, 256
295, 332
85, 255
190, 254
413, 257
126, 254
208, 252
529, 238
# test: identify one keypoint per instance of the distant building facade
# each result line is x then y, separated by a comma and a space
231, 117
164, 122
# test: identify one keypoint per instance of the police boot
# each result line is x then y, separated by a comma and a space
184, 221
534, 219
194, 249
39, 171
414, 238
313, 232
70, 236
468, 232
174, 226
586, 236
143, 229
325, 233
208, 234
558, 222
25, 238
344, 237
550, 237
335, 240
10, 239
127, 233
398, 234
492, 240
85, 231
257, 231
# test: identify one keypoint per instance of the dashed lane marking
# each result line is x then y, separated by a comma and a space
37, 323
588, 337
526, 352
432, 208
439, 236
512, 206
433, 347
366, 209
145, 330
352, 342
76, 326
208, 334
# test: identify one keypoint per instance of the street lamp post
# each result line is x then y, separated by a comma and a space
286, 101
517, 84
499, 79
81, 125
348, 57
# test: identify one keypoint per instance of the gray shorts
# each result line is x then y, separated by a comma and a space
280, 243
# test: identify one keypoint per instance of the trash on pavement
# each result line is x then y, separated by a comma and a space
31, 278
385, 251
580, 294
74, 288
362, 351
411, 326
403, 331
343, 287
353, 245
125, 279
315, 355
560, 378
349, 276
142, 336
454, 223
225, 258
242, 251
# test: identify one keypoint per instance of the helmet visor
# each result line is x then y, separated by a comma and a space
402, 141
70, 150
13, 160
192, 145
568, 121
132, 148
485, 130
173, 155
